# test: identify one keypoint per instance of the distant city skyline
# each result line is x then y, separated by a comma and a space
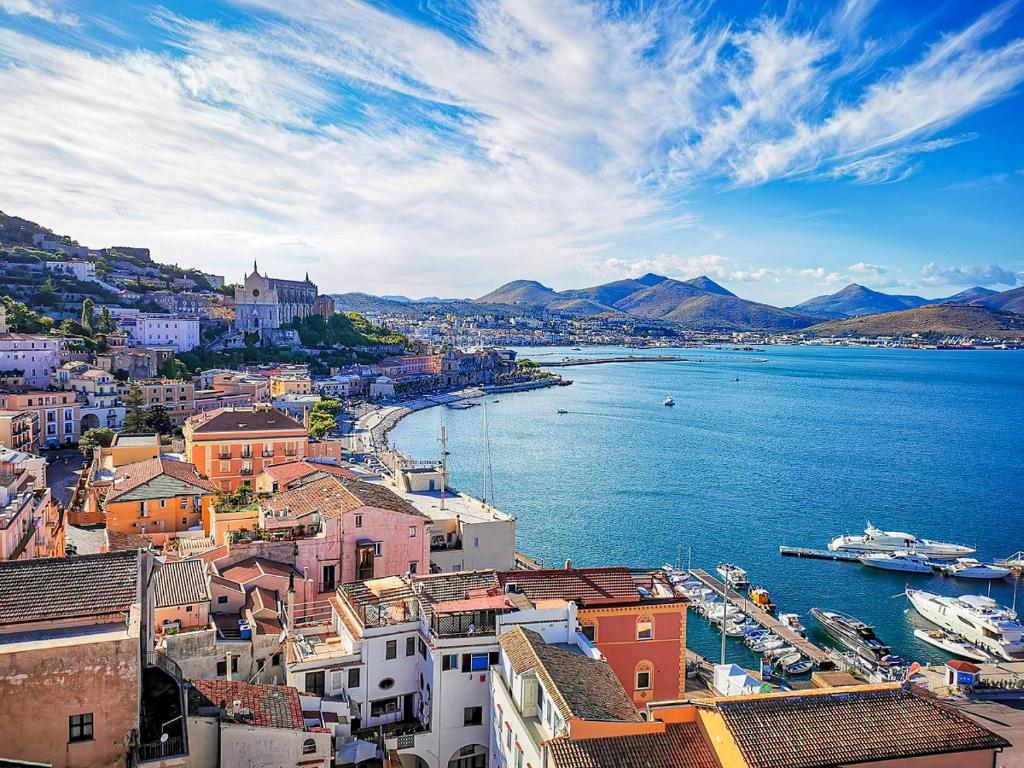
446, 148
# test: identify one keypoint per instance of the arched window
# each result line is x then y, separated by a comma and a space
643, 677
645, 627
309, 747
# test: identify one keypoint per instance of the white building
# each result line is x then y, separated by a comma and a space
37, 357
81, 270
158, 330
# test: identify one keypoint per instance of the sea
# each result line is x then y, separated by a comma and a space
781, 445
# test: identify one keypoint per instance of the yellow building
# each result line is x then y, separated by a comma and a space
290, 385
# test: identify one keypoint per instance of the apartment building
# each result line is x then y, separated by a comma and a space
31, 521
163, 330
35, 356
177, 396
95, 483
157, 498
57, 414
96, 388
290, 384
231, 446
19, 429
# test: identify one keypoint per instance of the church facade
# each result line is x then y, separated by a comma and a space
264, 303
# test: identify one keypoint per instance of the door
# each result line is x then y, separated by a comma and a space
364, 562
315, 682
328, 579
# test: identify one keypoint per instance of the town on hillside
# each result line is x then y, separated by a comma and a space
211, 555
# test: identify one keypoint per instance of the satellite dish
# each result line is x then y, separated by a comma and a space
163, 738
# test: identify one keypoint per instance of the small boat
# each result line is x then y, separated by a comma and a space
669, 402
792, 620
900, 560
733, 575
767, 644
562, 411
495, 401
788, 660
800, 667
969, 568
951, 643
759, 597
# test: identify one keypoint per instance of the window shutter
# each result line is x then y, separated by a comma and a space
466, 660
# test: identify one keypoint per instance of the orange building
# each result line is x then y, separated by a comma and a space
157, 498
643, 638
87, 504
18, 429
230, 446
56, 411
178, 397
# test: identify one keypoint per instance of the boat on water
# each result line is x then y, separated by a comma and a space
970, 568
877, 540
900, 560
669, 402
461, 406
732, 575
792, 620
562, 411
799, 667
980, 620
857, 636
759, 596
952, 643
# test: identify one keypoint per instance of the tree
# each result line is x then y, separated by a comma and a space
322, 419
106, 321
135, 419
157, 420
94, 438
173, 368
88, 314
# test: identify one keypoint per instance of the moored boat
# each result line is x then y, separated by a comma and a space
669, 402
900, 560
979, 619
792, 620
952, 643
877, 540
759, 597
857, 636
732, 575
970, 568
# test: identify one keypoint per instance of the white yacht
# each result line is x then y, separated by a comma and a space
900, 560
877, 540
732, 575
951, 643
976, 618
669, 402
969, 568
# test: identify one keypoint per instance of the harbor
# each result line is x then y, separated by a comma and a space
569, 361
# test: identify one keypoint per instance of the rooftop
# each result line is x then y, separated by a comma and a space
360, 493
681, 744
267, 706
55, 588
253, 567
845, 726
251, 419
180, 582
580, 686
124, 439
585, 586
288, 472
157, 478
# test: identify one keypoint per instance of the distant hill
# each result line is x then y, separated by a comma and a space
855, 300
583, 307
715, 312
969, 296
521, 292
933, 320
705, 283
658, 301
610, 293
1011, 300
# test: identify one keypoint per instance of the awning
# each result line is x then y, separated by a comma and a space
358, 751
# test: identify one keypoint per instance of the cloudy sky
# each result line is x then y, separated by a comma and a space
447, 146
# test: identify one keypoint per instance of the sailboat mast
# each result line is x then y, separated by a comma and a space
485, 470
444, 461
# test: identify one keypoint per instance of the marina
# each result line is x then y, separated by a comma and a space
818, 554
569, 361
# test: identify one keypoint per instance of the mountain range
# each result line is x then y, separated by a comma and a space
855, 300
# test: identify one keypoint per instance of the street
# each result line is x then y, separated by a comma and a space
62, 475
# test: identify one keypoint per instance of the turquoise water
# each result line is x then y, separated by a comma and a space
806, 446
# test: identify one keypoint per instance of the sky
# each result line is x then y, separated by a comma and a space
444, 147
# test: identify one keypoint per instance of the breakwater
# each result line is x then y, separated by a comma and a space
568, 362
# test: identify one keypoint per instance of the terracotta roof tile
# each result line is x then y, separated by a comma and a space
157, 479
267, 706
290, 471
844, 727
322, 496
581, 686
67, 587
253, 567
371, 495
255, 419
582, 585
180, 582
682, 745
117, 541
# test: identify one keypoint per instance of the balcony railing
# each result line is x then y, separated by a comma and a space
160, 750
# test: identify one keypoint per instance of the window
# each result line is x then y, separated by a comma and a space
183, 502
184, 521
221, 599
589, 631
413, 567
386, 684
275, 660
519, 758
383, 706
222, 667
412, 531
492, 658
309, 747
80, 727
644, 629
315, 682
508, 736
359, 521
449, 661
476, 541
353, 678
391, 650
376, 548
410, 646
260, 663
328, 578
475, 662
643, 680
188, 609
423, 647
473, 716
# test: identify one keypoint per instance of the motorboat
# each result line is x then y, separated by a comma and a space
799, 667
669, 402
792, 620
562, 411
759, 597
952, 643
857, 636
877, 540
970, 568
769, 643
733, 575
789, 659
980, 620
900, 560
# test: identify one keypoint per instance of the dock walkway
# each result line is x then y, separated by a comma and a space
818, 554
765, 619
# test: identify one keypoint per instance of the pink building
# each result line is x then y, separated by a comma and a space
37, 357
347, 530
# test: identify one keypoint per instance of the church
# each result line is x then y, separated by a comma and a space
265, 303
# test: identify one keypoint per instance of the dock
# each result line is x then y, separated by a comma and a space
818, 554
765, 619
569, 361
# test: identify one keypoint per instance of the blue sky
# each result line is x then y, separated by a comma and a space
447, 146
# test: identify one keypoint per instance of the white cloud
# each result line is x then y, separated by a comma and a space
686, 267
40, 10
979, 274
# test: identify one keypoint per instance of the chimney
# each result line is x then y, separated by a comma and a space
568, 565
228, 657
290, 618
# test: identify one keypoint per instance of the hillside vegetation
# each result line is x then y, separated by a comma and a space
934, 320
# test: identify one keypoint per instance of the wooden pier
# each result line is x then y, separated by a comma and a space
765, 619
818, 554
